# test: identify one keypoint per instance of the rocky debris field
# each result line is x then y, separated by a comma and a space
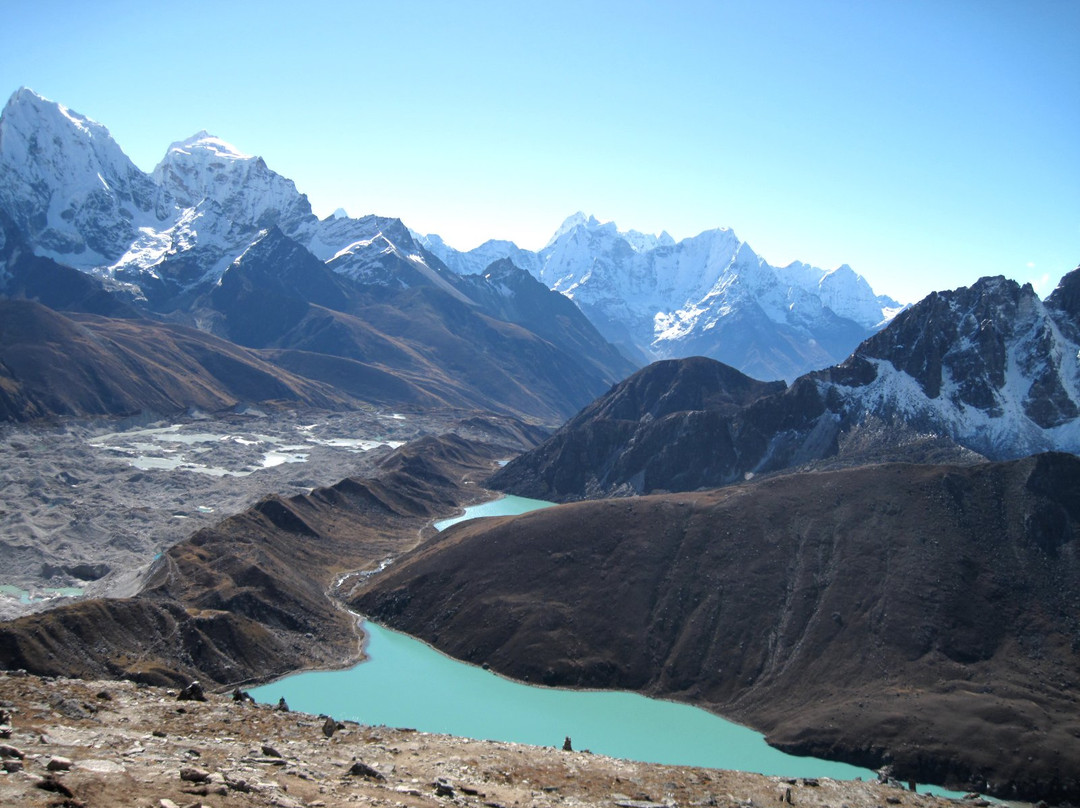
88, 505
74, 743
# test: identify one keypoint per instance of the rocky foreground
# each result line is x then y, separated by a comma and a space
114, 743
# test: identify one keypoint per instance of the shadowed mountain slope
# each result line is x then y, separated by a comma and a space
501, 342
57, 365
923, 616
216, 240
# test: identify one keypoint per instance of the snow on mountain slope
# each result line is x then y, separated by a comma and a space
668, 298
991, 366
65, 183
205, 168
477, 260
80, 200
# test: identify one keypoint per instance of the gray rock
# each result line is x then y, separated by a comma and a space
193, 774
361, 769
193, 692
58, 764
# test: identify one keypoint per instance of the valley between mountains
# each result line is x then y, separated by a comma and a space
848, 524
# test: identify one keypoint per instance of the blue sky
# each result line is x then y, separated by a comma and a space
924, 143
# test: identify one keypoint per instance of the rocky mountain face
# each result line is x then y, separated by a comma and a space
991, 365
918, 616
987, 371
69, 187
214, 239
710, 295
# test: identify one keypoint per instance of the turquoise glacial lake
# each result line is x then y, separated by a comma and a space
406, 683
508, 505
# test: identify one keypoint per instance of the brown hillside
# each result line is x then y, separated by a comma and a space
923, 616
53, 364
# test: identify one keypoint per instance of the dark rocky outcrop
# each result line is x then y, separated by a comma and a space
986, 371
922, 616
686, 424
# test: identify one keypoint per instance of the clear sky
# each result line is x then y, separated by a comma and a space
924, 142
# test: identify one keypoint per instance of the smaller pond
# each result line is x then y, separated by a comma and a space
508, 505
26, 596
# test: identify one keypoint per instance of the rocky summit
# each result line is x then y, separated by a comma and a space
988, 371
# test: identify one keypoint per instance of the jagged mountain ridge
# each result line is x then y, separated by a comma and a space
535, 350
77, 198
175, 231
710, 295
983, 371
216, 240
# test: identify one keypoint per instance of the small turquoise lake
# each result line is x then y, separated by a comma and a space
508, 505
406, 683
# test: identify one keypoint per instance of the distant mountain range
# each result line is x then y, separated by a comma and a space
988, 371
163, 239
214, 240
710, 295
364, 310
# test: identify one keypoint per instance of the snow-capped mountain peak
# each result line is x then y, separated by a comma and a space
213, 146
571, 222
68, 185
79, 199
659, 298
205, 167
